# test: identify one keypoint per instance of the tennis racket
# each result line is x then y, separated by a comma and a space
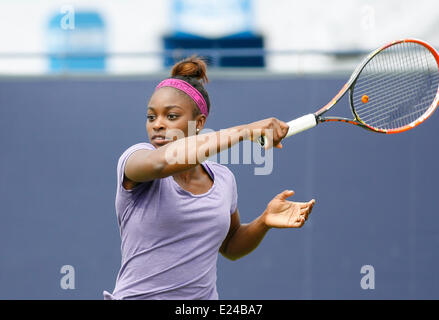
394, 89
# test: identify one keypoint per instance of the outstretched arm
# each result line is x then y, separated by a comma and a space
185, 153
280, 213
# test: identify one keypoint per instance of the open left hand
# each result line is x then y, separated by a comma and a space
281, 213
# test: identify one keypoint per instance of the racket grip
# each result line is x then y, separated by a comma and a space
295, 126
301, 124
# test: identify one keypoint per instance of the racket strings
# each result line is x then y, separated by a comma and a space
413, 96
399, 114
370, 113
396, 86
400, 82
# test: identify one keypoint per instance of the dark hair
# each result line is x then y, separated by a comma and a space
193, 71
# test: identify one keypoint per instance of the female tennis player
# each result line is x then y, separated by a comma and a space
175, 216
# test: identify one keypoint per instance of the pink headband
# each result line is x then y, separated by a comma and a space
189, 90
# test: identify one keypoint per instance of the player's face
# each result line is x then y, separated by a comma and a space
169, 114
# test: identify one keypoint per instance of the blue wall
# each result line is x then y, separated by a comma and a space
376, 195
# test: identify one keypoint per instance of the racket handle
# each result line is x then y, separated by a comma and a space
295, 126
301, 124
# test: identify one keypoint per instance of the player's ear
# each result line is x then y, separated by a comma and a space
200, 120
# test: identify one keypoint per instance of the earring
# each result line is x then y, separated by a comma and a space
198, 130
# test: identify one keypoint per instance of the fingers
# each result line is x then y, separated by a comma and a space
297, 223
284, 194
274, 131
304, 205
280, 131
304, 214
284, 127
279, 134
269, 140
280, 127
305, 211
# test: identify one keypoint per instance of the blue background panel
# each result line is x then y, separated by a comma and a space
60, 140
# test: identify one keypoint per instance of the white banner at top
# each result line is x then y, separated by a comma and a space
211, 18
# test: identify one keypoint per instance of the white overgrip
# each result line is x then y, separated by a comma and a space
295, 126
301, 124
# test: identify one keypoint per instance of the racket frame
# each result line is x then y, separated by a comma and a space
351, 82
308, 123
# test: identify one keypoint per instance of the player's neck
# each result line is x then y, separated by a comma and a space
190, 174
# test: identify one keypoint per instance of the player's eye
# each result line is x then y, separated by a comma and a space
150, 117
173, 116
